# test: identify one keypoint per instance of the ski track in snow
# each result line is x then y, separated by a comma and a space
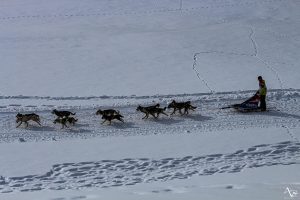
289, 132
131, 12
254, 55
131, 171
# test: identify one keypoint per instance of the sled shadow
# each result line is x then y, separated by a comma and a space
280, 114
198, 117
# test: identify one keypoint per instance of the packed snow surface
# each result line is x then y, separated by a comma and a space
83, 56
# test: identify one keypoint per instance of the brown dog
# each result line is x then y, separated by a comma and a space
181, 105
27, 117
151, 110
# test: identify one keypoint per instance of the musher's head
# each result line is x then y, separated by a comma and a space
259, 78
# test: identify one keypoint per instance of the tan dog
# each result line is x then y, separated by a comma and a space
27, 117
151, 110
181, 105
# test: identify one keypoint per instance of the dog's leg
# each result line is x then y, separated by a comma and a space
39, 123
64, 125
165, 113
154, 115
19, 124
181, 112
146, 116
186, 111
173, 112
26, 124
104, 121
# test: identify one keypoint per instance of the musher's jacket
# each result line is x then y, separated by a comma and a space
262, 88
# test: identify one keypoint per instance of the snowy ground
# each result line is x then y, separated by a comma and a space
85, 55
152, 158
135, 47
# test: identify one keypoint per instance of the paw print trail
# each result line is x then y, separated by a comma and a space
131, 171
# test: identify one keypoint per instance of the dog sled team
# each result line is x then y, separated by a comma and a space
64, 117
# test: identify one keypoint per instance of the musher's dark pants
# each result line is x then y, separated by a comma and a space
263, 105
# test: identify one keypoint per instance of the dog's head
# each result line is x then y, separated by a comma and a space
172, 104
19, 117
54, 111
139, 108
99, 112
188, 102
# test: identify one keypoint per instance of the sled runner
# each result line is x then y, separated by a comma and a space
249, 105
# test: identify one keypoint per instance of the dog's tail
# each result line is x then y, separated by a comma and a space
193, 107
121, 116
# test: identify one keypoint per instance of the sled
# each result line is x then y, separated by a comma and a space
249, 105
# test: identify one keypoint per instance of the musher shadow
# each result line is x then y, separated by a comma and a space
279, 114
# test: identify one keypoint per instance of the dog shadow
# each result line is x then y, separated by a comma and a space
81, 125
40, 128
125, 125
73, 129
198, 117
167, 121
